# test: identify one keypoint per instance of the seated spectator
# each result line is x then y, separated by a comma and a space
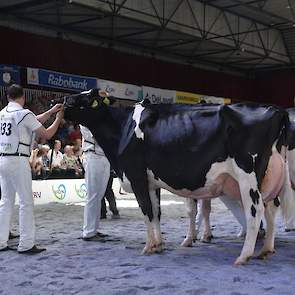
70, 163
75, 134
39, 161
55, 157
77, 147
35, 164
45, 160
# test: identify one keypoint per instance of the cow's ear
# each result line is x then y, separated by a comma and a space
145, 102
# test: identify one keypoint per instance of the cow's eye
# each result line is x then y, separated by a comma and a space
94, 104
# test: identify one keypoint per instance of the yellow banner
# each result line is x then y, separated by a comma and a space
193, 98
186, 97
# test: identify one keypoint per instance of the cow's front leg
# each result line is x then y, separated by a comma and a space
254, 208
191, 235
206, 209
150, 207
271, 210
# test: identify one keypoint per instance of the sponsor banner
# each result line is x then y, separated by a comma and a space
120, 90
59, 80
187, 97
9, 75
213, 99
157, 95
191, 98
59, 190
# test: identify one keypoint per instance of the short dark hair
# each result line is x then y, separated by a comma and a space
15, 91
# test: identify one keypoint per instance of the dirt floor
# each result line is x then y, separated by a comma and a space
116, 266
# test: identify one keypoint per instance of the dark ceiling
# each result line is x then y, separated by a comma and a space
243, 36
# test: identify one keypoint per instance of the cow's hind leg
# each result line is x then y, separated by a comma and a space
155, 198
271, 210
206, 209
254, 208
191, 235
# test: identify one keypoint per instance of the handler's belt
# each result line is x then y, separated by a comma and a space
15, 154
92, 151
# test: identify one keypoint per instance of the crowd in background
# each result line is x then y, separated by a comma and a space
60, 158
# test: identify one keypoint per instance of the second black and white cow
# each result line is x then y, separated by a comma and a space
193, 151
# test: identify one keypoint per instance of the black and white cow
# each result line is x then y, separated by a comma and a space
197, 152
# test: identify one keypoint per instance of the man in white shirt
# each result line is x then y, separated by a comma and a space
97, 173
56, 157
17, 126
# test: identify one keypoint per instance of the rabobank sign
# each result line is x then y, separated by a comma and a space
64, 81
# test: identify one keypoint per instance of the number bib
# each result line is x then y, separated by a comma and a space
9, 131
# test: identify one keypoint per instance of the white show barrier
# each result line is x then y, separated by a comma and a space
74, 191
59, 190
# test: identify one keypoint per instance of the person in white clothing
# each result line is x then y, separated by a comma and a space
17, 126
56, 157
97, 173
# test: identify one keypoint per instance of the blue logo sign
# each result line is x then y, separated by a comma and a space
60, 192
81, 191
64, 81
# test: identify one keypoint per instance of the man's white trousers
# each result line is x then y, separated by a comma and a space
15, 177
97, 173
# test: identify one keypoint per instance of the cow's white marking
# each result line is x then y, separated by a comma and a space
246, 182
254, 158
125, 184
150, 239
86, 92
156, 221
191, 235
213, 185
136, 117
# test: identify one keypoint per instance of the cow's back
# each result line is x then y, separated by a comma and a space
182, 142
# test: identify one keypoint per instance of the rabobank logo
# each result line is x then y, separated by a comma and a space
57, 80
81, 190
59, 191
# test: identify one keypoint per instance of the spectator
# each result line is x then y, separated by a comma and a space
45, 159
70, 163
55, 157
36, 163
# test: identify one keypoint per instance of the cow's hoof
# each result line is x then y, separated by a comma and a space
158, 248
207, 239
242, 260
264, 254
147, 250
188, 242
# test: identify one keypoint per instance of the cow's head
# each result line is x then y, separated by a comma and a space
85, 99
